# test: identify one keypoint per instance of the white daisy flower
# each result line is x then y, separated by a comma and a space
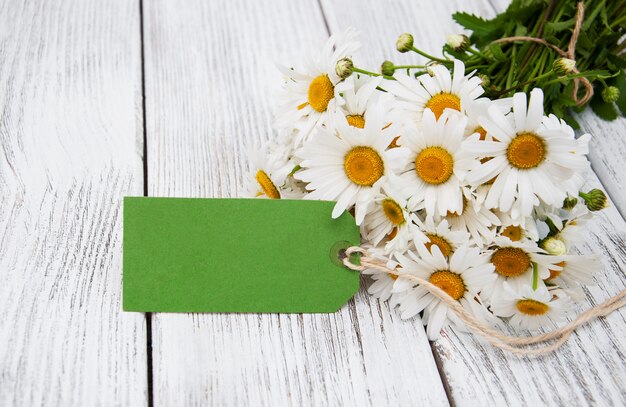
514, 263
438, 92
575, 269
461, 276
388, 219
513, 229
435, 163
364, 104
383, 283
429, 233
314, 91
532, 309
349, 167
268, 173
527, 159
474, 218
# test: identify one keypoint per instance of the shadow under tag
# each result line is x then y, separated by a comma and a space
235, 255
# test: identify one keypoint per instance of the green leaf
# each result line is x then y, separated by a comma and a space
604, 110
557, 26
477, 24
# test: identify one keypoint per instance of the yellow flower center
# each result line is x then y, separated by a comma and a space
268, 187
556, 273
526, 150
363, 166
393, 212
440, 242
510, 261
434, 165
513, 232
449, 282
532, 307
442, 101
321, 91
356, 120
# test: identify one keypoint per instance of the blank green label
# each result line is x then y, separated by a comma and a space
235, 255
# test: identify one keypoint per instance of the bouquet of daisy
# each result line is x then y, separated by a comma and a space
481, 197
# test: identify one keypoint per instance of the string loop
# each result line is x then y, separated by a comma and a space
513, 344
570, 54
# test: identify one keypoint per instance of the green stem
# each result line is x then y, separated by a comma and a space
364, 72
431, 57
396, 67
535, 276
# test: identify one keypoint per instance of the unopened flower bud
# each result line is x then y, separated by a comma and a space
569, 203
405, 42
429, 68
610, 94
344, 68
387, 68
563, 66
554, 246
595, 199
458, 42
485, 81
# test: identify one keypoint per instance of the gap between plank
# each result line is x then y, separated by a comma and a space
145, 193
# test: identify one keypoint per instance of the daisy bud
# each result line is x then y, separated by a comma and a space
595, 199
563, 66
344, 68
405, 42
610, 94
485, 80
554, 246
458, 42
569, 203
387, 68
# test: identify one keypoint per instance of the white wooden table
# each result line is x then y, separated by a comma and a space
101, 99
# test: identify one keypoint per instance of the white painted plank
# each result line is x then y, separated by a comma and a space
591, 368
608, 154
209, 70
70, 136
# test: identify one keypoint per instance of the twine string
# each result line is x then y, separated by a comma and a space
513, 344
570, 54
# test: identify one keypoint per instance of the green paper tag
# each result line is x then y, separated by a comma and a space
235, 255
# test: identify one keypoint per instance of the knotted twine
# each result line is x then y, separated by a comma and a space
580, 14
513, 344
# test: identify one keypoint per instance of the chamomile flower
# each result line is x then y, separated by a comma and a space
438, 92
349, 166
382, 286
527, 160
268, 173
514, 263
364, 104
315, 90
388, 219
474, 218
575, 269
461, 276
513, 229
434, 163
429, 233
531, 309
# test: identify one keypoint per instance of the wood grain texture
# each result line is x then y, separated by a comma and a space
70, 137
209, 71
591, 368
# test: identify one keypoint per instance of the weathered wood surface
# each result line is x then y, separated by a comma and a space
70, 136
208, 67
591, 368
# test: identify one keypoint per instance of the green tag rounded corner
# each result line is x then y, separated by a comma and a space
235, 255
